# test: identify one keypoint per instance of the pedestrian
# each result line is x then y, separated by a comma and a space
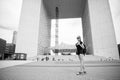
81, 50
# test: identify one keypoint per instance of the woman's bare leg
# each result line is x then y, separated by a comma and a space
82, 66
80, 58
82, 62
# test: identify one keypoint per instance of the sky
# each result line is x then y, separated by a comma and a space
10, 15
9, 18
69, 29
115, 10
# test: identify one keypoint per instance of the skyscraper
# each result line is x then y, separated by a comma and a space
14, 37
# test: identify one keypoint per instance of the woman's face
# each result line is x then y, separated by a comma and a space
79, 39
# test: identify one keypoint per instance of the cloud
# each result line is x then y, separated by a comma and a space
7, 28
10, 14
115, 10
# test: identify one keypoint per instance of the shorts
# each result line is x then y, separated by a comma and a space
80, 52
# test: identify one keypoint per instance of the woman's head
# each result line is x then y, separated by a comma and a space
79, 38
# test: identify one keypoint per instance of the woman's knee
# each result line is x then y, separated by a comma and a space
81, 56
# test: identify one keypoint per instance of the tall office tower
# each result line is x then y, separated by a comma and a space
10, 48
14, 37
2, 48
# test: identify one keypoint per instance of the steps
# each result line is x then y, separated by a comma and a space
61, 61
69, 58
72, 61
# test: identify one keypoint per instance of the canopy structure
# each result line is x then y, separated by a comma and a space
64, 48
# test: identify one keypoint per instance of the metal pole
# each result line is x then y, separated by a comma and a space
56, 29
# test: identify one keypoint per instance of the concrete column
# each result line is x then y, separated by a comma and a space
27, 38
34, 29
99, 29
44, 31
87, 34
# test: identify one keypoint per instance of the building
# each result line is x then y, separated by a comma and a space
14, 37
9, 50
2, 48
35, 25
119, 49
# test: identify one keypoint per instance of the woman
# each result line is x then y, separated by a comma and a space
81, 50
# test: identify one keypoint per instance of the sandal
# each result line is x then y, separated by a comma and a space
79, 73
84, 72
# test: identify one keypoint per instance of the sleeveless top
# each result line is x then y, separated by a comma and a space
81, 48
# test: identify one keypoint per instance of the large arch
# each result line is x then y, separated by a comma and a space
98, 31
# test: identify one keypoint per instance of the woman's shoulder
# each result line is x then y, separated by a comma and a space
76, 43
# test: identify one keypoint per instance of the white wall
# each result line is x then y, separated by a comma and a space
103, 35
44, 31
87, 35
27, 38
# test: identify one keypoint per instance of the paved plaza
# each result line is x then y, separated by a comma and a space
61, 71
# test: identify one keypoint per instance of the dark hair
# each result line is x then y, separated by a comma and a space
78, 37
